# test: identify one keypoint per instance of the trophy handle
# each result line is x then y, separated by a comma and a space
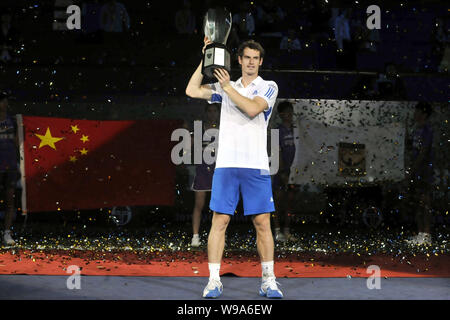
230, 21
210, 25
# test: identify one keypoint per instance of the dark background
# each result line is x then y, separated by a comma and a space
142, 72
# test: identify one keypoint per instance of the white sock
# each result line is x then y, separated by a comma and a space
267, 270
214, 271
196, 236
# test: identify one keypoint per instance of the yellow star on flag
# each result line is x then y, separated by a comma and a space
47, 139
73, 158
75, 128
83, 151
84, 138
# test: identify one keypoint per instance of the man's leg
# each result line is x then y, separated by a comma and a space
279, 197
288, 214
422, 208
414, 205
216, 238
264, 238
224, 198
265, 246
197, 212
427, 219
216, 244
10, 208
197, 216
276, 215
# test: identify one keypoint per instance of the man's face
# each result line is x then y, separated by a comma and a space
250, 61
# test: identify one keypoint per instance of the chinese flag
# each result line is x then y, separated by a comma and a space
70, 164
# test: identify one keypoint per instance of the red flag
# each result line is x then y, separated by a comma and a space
70, 164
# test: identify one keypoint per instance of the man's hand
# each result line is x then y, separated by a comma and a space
223, 76
206, 41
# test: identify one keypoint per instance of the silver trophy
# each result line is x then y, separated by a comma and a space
217, 27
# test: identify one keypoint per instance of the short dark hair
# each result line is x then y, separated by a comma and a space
252, 44
282, 106
425, 107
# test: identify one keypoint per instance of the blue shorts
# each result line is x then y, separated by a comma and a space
256, 189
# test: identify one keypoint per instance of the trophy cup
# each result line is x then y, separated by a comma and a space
217, 27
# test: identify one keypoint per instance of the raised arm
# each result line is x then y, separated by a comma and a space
252, 107
195, 89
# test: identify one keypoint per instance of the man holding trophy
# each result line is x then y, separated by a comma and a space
242, 163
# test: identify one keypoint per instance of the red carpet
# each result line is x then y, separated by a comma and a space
182, 264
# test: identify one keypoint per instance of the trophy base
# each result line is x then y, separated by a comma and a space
216, 56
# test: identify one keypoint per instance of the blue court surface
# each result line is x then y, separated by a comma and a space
17, 287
